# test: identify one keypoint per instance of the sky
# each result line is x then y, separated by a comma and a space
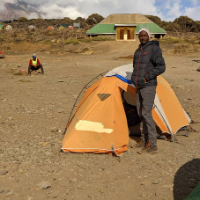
167, 10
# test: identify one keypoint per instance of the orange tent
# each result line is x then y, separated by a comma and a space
99, 124
50, 28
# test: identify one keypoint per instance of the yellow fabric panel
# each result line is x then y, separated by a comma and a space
171, 105
159, 122
87, 93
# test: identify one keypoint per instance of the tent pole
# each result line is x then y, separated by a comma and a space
101, 74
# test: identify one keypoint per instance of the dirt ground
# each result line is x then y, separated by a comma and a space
34, 113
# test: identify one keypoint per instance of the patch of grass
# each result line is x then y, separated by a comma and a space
176, 40
24, 80
18, 40
85, 49
102, 39
86, 40
45, 42
171, 40
18, 73
74, 42
191, 41
130, 57
51, 32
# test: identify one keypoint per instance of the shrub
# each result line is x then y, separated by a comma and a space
22, 19
74, 42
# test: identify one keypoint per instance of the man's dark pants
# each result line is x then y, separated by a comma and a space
32, 68
145, 100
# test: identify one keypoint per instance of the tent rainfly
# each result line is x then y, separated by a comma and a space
50, 28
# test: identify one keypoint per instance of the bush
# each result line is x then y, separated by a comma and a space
171, 40
94, 19
74, 42
102, 39
22, 19
85, 50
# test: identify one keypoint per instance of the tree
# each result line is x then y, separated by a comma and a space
67, 20
82, 21
186, 24
22, 19
94, 19
171, 26
155, 19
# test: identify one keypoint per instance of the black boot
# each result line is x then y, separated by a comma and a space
29, 70
42, 70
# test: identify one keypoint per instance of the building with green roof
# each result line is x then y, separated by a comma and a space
125, 27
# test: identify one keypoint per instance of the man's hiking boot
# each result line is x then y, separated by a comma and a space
152, 149
140, 144
146, 146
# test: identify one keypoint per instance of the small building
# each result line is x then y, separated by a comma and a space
125, 27
76, 25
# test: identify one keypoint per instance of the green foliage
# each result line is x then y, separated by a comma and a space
177, 40
22, 19
102, 39
94, 19
67, 20
86, 40
155, 19
51, 32
62, 29
74, 42
172, 27
85, 50
171, 40
187, 24
181, 24
79, 20
39, 20
45, 42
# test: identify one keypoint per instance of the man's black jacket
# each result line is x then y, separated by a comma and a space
148, 63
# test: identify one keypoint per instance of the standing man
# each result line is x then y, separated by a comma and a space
34, 64
148, 63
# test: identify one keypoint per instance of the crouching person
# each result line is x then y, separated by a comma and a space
34, 64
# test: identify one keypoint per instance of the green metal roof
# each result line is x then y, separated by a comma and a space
110, 29
102, 29
153, 28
